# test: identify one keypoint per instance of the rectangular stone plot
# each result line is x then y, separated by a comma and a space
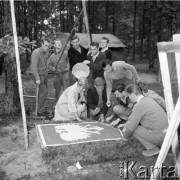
75, 133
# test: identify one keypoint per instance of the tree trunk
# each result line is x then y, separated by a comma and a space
12, 100
142, 30
114, 24
107, 15
134, 31
153, 23
25, 20
1, 19
35, 20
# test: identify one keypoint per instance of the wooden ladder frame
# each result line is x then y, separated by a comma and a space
171, 137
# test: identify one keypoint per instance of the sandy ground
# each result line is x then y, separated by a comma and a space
18, 163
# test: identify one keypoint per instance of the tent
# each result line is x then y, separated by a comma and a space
172, 69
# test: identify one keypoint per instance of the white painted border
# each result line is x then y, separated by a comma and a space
53, 145
41, 136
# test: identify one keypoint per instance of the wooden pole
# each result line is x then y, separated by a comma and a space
163, 48
176, 38
167, 141
69, 37
86, 21
19, 73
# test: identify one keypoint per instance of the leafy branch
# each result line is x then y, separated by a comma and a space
7, 45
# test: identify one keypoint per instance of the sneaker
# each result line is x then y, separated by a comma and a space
151, 152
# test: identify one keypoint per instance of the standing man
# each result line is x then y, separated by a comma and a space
76, 54
104, 45
39, 70
60, 68
118, 73
95, 59
147, 123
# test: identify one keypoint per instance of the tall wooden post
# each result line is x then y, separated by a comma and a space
86, 21
19, 73
173, 115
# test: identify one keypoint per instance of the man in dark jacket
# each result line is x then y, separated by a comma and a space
94, 61
96, 99
76, 55
104, 47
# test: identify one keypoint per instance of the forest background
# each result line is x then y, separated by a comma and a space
139, 25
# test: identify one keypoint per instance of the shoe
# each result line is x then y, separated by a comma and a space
151, 152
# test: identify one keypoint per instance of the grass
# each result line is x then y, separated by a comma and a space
89, 153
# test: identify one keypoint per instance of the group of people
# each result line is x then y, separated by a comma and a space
77, 97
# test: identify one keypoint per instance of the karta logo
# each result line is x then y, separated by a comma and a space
129, 170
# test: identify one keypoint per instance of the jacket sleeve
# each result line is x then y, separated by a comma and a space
108, 54
34, 64
50, 62
90, 104
108, 85
75, 59
133, 121
105, 108
97, 66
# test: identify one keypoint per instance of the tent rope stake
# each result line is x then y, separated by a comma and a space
171, 137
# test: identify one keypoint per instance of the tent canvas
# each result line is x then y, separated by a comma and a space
172, 68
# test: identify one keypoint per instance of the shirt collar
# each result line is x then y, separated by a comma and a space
103, 50
95, 55
140, 97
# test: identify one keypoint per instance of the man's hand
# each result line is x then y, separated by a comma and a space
53, 68
101, 118
108, 103
97, 110
138, 80
78, 118
38, 81
86, 61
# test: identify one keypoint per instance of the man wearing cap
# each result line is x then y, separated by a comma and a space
96, 99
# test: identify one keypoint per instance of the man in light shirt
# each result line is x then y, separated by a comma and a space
147, 123
116, 73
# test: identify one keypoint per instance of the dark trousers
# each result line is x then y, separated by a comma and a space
61, 82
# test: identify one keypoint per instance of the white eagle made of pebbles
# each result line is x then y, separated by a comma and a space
74, 132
